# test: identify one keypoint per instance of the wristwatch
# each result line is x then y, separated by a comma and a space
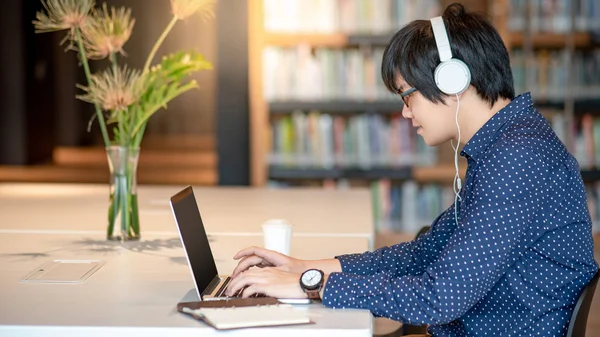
311, 282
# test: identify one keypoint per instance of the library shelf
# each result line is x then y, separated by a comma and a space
297, 173
370, 39
333, 40
339, 106
330, 40
591, 105
443, 174
391, 106
342, 40
551, 40
264, 112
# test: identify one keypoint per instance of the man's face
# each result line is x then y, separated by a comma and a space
435, 122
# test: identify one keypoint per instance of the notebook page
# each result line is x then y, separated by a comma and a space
246, 317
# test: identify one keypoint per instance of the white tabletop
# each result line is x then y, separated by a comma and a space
136, 290
225, 210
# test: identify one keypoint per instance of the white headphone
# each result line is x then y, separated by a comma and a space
452, 76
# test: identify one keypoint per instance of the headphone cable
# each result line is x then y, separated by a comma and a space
457, 185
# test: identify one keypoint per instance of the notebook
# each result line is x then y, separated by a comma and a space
239, 313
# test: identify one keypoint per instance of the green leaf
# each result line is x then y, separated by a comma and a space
116, 135
164, 82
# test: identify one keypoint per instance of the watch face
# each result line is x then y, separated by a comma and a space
311, 277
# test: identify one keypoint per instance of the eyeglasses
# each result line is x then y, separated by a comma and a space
404, 95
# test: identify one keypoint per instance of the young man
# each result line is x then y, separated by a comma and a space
510, 257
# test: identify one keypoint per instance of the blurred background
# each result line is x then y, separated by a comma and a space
295, 99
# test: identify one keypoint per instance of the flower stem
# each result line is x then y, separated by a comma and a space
88, 75
124, 142
139, 135
125, 213
159, 42
113, 60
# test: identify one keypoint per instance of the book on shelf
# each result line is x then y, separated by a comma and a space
585, 141
318, 140
547, 73
329, 74
408, 206
347, 16
298, 73
554, 16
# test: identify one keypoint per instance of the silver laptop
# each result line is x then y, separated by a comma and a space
209, 284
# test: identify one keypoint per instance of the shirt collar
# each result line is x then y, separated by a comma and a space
486, 135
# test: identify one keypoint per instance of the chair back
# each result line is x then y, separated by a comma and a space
579, 317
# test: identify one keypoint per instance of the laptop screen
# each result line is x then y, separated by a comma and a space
194, 238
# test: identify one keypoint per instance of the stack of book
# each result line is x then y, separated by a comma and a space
408, 206
554, 16
301, 73
347, 16
547, 72
364, 141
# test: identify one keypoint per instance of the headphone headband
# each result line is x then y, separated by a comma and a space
441, 38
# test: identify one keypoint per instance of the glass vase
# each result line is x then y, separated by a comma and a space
123, 214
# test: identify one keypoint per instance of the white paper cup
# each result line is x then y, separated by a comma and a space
277, 234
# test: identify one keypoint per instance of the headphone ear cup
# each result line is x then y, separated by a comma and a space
452, 77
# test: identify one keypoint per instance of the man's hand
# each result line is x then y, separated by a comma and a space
274, 282
260, 257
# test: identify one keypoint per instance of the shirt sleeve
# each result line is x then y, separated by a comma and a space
508, 189
407, 258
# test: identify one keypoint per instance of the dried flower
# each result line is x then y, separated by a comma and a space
106, 33
115, 89
61, 15
183, 9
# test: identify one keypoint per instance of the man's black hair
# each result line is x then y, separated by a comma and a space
413, 54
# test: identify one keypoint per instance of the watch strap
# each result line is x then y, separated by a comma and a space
313, 294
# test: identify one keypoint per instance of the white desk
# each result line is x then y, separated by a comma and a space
225, 210
135, 292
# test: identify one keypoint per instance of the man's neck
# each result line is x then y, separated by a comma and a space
474, 113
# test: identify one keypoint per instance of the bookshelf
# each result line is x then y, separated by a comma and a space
262, 110
551, 40
268, 108
339, 40
399, 173
334, 40
335, 106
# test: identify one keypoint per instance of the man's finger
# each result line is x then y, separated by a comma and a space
245, 264
245, 252
235, 284
246, 279
250, 290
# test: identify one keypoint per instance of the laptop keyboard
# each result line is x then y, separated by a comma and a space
223, 289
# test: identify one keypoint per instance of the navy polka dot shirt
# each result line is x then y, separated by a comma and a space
517, 260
